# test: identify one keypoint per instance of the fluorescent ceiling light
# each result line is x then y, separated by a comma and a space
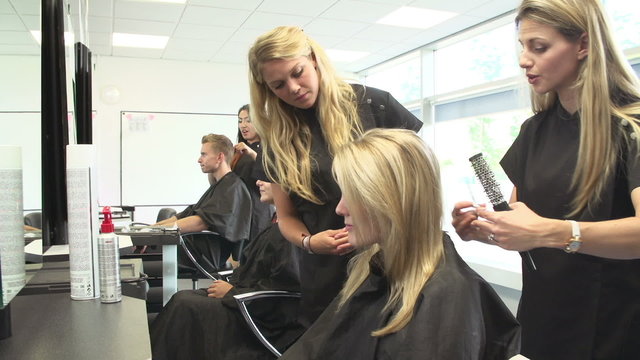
345, 55
139, 41
413, 17
37, 35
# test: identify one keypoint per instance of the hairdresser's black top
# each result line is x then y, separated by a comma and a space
262, 212
322, 276
225, 207
574, 306
457, 316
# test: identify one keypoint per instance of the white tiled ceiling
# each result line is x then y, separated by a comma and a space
223, 30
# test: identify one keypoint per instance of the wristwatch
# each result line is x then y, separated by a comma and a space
573, 245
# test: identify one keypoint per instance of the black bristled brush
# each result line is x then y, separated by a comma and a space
492, 189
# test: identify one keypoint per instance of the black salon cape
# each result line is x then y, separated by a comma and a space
574, 306
225, 207
193, 326
262, 212
457, 316
322, 276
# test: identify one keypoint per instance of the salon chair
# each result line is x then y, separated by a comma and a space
203, 255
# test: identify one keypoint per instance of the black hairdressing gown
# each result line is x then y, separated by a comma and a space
457, 316
262, 212
574, 306
322, 276
225, 207
193, 326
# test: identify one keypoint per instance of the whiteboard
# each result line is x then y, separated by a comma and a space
159, 155
22, 128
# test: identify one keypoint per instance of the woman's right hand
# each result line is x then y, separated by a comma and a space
331, 242
463, 215
245, 149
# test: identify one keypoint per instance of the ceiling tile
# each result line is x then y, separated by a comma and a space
443, 30
189, 44
265, 21
137, 52
99, 39
185, 49
358, 11
214, 16
370, 46
232, 53
16, 38
457, 6
299, 7
149, 11
226, 4
26, 7
246, 36
11, 22
203, 32
6, 49
493, 8
101, 8
101, 50
143, 27
100, 24
334, 27
6, 8
386, 33
32, 22
327, 41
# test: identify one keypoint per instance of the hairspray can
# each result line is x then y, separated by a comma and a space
109, 261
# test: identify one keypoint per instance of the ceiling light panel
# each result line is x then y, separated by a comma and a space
418, 18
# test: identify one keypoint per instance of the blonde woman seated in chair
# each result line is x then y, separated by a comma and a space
408, 295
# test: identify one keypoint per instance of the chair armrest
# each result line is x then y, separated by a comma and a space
225, 274
242, 300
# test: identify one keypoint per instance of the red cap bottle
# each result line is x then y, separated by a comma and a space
107, 224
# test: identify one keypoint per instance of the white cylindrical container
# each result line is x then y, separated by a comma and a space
11, 224
109, 261
82, 207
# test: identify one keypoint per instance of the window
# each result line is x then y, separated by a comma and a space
484, 58
625, 21
401, 78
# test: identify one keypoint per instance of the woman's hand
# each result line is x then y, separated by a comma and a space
520, 229
332, 242
245, 149
463, 215
218, 289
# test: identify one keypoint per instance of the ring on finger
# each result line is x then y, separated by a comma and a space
491, 237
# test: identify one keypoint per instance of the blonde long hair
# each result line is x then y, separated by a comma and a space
278, 123
605, 86
391, 182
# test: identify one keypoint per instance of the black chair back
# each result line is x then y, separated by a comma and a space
33, 219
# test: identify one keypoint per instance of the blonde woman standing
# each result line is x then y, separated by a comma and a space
303, 112
576, 199
409, 295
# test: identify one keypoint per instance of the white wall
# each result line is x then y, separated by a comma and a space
144, 85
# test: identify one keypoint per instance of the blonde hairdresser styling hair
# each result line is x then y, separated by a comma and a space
287, 140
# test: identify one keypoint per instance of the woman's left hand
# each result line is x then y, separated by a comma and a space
218, 289
520, 229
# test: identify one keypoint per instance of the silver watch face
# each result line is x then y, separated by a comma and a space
573, 245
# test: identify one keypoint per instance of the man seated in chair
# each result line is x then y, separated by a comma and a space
225, 208
207, 324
